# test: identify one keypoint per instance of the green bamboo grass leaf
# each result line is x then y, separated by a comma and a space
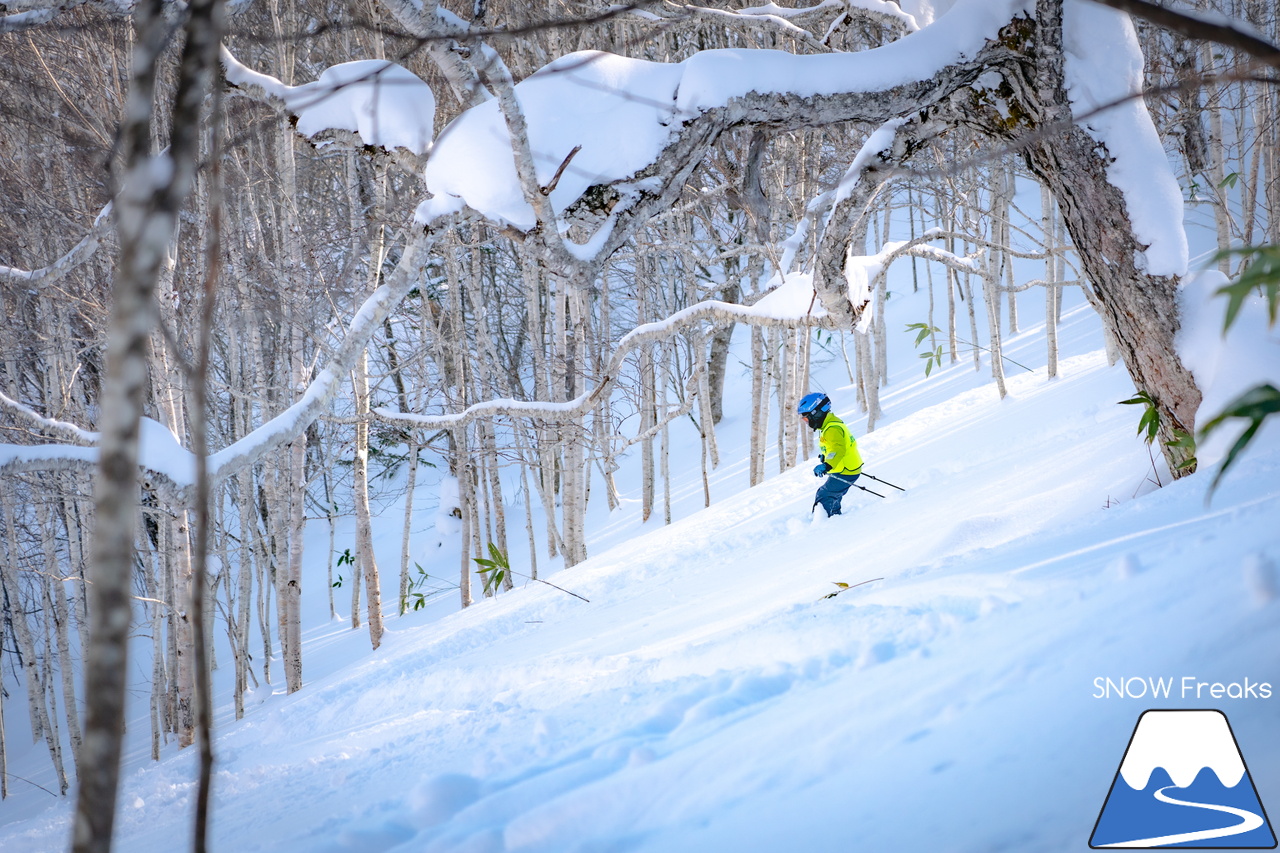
1262, 274
1186, 442
1254, 406
1149, 423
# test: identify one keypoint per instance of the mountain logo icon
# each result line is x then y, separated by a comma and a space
1182, 783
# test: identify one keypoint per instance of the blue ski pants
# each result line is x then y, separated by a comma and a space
832, 490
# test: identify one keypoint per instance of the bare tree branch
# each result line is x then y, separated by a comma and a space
1230, 34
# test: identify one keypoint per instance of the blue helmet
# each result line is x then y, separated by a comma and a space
815, 403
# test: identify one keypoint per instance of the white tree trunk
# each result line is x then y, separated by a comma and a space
1052, 292
41, 725
759, 405
364, 529
411, 481
55, 589
465, 499
4, 755
1217, 168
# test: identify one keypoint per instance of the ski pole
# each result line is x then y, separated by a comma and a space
886, 482
855, 485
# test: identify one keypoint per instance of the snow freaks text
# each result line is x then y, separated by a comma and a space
1186, 687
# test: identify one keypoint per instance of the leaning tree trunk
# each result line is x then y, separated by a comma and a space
1139, 309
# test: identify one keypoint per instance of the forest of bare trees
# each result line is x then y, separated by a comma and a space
173, 247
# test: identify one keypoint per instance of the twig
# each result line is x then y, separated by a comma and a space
29, 782
1002, 355
548, 583
555, 179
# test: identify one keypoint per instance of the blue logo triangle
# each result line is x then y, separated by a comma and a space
1182, 783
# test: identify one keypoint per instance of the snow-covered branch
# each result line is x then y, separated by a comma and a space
166, 463
920, 248
22, 15
24, 459
752, 20
649, 333
536, 195
383, 104
21, 21
691, 386
286, 426
79, 253
792, 22
50, 426
640, 128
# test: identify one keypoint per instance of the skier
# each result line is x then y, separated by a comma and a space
839, 460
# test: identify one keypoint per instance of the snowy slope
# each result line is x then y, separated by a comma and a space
709, 698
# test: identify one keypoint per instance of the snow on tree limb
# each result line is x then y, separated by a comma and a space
643, 126
785, 20
169, 465
78, 254
649, 333
920, 248
283, 428
383, 103
536, 194
21, 15
61, 429
441, 33
21, 21
1102, 65
752, 20
638, 120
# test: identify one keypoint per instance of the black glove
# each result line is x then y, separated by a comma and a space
821, 469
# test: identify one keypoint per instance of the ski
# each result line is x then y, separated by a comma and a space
844, 587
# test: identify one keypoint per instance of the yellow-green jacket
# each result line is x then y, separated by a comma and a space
839, 449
